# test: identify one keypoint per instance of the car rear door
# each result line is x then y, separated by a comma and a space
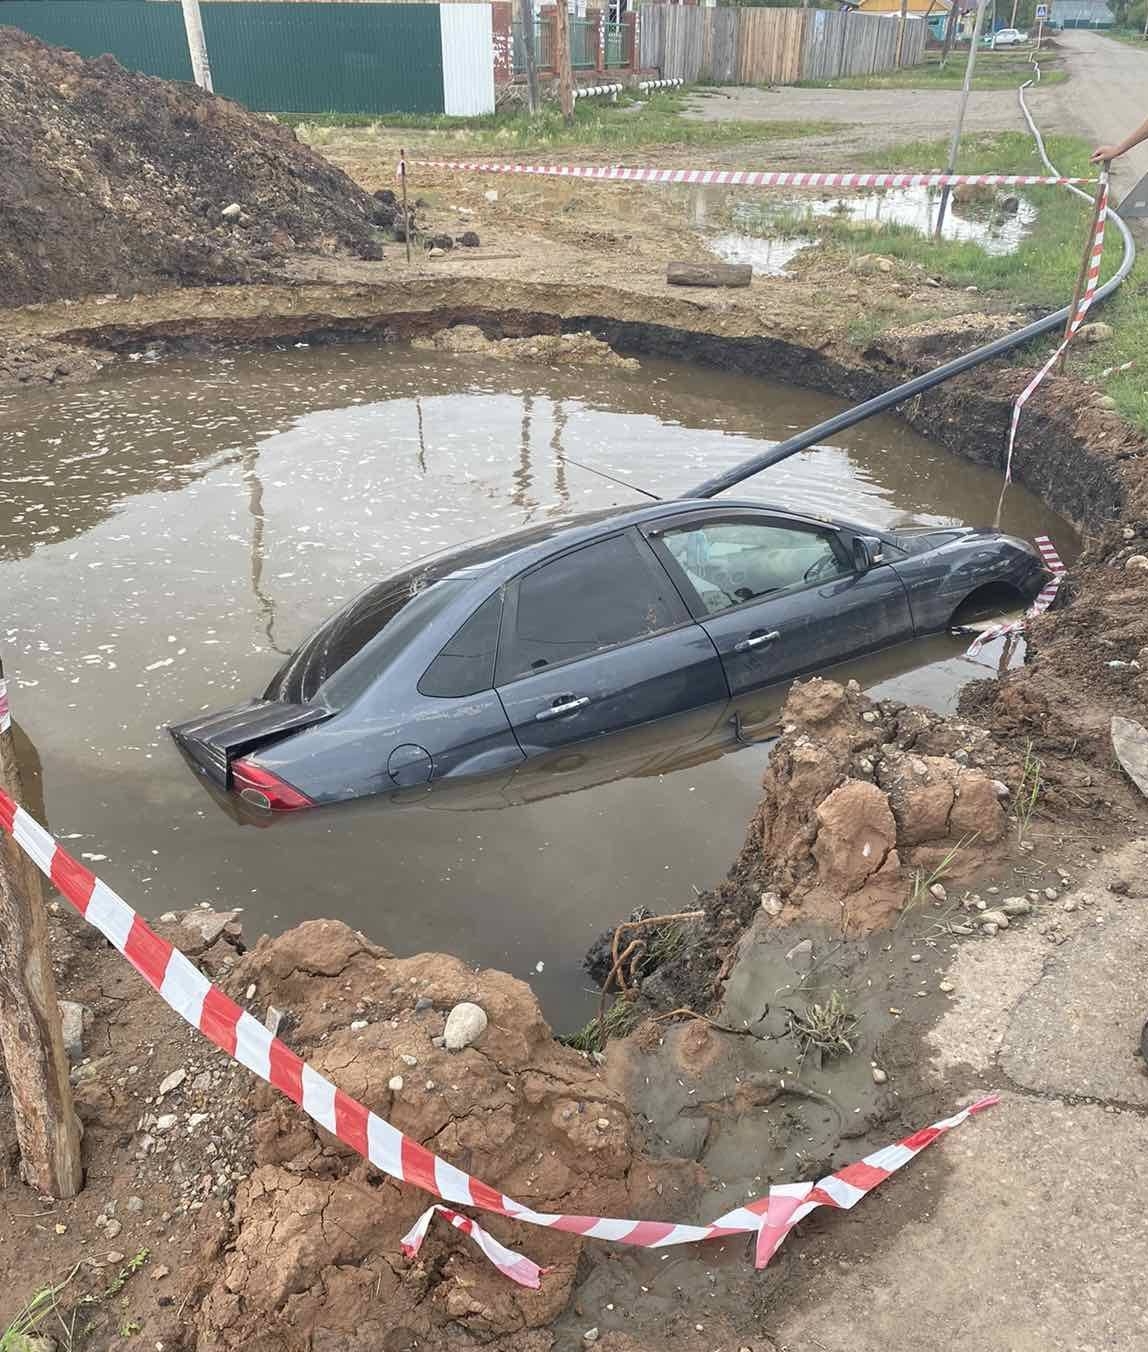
598, 639
779, 596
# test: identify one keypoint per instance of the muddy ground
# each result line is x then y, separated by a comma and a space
261, 1231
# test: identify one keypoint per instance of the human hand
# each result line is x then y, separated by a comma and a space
1102, 153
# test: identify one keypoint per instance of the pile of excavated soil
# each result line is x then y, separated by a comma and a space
549, 349
111, 181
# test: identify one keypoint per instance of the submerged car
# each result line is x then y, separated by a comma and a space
492, 654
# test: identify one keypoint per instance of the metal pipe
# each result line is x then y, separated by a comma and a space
881, 403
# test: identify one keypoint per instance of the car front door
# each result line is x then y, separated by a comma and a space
596, 640
779, 596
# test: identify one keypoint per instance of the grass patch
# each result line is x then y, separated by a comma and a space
67, 1323
828, 1027
1132, 37
621, 1018
1028, 793
994, 70
654, 119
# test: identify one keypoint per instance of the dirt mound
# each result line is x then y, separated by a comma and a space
313, 1250
115, 181
551, 349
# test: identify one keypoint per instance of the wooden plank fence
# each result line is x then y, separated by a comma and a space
765, 45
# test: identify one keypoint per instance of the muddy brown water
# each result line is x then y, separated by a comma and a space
167, 533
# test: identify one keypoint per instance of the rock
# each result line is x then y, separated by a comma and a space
938, 890
435, 253
989, 929
172, 1081
1070, 903
165, 1122
1136, 563
1097, 332
855, 833
1051, 893
997, 918
771, 904
358, 1024
869, 716
134, 1205
603, 1123
395, 1083
271, 1022
465, 1024
112, 1228
159, 1273
423, 1003
914, 957
76, 1020
801, 954
879, 1076
946, 986
1000, 788
469, 240
1103, 401
196, 1120
1010, 204
113, 1256
491, 194
407, 1059
234, 211
590, 1336
1016, 905
207, 926
884, 265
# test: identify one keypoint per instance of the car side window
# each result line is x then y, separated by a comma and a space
466, 665
730, 562
596, 597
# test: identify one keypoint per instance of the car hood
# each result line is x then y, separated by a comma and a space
920, 539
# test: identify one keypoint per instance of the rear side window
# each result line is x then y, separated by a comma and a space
466, 665
597, 597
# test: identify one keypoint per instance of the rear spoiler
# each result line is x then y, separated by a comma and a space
215, 740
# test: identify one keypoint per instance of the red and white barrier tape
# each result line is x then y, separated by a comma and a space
1044, 598
185, 988
5, 713
743, 178
1087, 295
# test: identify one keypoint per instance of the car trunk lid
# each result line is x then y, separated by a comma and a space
215, 740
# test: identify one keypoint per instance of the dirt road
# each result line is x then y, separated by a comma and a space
1106, 96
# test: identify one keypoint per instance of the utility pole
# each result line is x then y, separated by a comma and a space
955, 145
901, 31
530, 56
562, 60
31, 1035
196, 44
950, 31
1012, 18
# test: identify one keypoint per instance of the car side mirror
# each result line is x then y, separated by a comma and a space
866, 553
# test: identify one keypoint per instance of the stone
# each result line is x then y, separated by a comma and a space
946, 986
1070, 903
469, 240
884, 265
771, 904
172, 1081
423, 1003
408, 1060
590, 1336
491, 194
465, 1024
1136, 563
271, 1022
436, 253
395, 1083
165, 1122
112, 1228
208, 925
1051, 893
134, 1205
855, 832
1000, 788
997, 918
196, 1120
801, 954
938, 891
879, 1076
1017, 905
76, 1020
989, 929
232, 212
1097, 332
113, 1256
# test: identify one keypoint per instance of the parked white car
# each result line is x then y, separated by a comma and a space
1009, 37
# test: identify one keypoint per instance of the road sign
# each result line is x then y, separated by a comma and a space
1042, 11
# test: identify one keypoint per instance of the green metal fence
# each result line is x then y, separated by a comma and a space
543, 46
275, 57
619, 39
583, 43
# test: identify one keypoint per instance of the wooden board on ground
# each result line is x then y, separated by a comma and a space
708, 274
1130, 742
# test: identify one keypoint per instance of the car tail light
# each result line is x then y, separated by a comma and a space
261, 788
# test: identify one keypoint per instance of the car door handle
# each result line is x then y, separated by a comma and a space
564, 704
758, 640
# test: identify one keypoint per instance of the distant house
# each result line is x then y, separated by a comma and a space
1082, 14
920, 7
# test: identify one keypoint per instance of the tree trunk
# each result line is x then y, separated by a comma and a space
562, 61
526, 18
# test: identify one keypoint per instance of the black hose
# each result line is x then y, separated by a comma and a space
882, 402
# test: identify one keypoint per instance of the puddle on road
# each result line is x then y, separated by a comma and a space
769, 257
167, 533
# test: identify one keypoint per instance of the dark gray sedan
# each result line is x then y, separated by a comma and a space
485, 656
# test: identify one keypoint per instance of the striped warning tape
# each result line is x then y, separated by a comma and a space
1044, 598
743, 178
1087, 295
5, 713
233, 1030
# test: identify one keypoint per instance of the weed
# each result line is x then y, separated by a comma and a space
42, 1304
995, 70
68, 1325
1028, 792
129, 1327
621, 1018
923, 880
828, 1027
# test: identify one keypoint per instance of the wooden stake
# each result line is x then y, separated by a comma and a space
955, 144
901, 32
31, 1035
406, 214
1086, 260
562, 61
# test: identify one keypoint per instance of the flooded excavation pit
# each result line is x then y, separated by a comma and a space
172, 532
